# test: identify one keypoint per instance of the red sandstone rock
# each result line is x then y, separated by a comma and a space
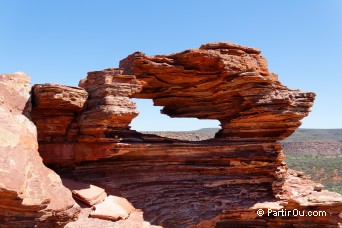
222, 81
134, 220
179, 184
54, 112
30, 193
213, 183
109, 107
113, 208
305, 196
14, 92
54, 109
63, 116
87, 193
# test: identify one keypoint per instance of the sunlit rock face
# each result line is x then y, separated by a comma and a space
30, 193
219, 182
226, 82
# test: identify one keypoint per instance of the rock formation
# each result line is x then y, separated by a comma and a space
86, 193
105, 211
113, 208
84, 131
226, 82
30, 193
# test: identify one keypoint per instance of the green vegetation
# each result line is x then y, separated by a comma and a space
322, 168
326, 170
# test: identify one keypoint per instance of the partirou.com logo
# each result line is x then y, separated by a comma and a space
294, 212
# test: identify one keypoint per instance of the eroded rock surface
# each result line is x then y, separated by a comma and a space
222, 81
134, 220
213, 183
102, 211
30, 193
55, 109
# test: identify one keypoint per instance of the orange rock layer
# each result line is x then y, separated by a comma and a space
212, 183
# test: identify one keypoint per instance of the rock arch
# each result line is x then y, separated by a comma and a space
221, 81
211, 183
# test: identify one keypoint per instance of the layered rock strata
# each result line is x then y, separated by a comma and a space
222, 81
84, 124
212, 183
55, 110
30, 193
181, 184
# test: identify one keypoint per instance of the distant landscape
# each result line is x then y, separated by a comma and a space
316, 152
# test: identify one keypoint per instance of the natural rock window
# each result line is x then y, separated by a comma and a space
219, 81
151, 121
212, 183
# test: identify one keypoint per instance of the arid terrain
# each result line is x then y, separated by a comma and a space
63, 144
316, 152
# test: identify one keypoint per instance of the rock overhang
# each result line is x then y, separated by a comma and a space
222, 81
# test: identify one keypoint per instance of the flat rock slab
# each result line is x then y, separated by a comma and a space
134, 220
113, 208
87, 193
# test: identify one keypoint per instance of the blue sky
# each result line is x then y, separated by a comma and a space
60, 41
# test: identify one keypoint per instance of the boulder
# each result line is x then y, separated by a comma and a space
30, 193
87, 193
113, 208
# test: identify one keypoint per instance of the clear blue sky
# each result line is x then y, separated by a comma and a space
60, 41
